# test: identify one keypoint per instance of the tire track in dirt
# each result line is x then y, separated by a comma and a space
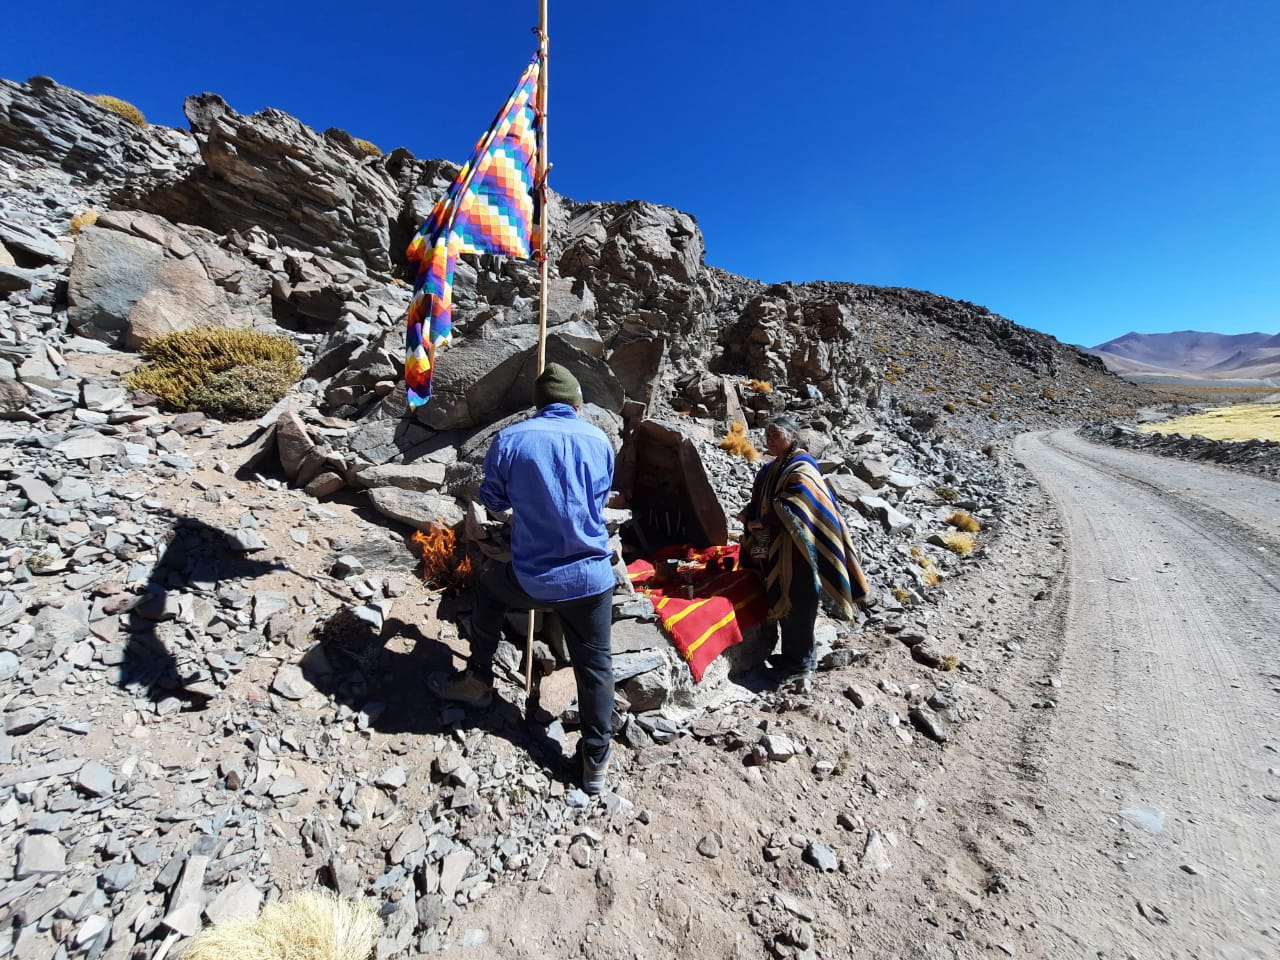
1166, 692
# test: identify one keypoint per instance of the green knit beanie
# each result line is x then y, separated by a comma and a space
556, 385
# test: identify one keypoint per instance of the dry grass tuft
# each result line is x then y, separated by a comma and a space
310, 925
902, 595
1242, 421
183, 363
961, 544
82, 220
121, 108
759, 386
367, 147
738, 442
949, 662
965, 521
948, 494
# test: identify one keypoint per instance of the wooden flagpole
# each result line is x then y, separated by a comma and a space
541, 175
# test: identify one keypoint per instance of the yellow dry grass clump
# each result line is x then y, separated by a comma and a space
963, 520
929, 573
902, 595
962, 544
82, 220
368, 147
228, 373
121, 108
310, 925
759, 386
1241, 421
738, 442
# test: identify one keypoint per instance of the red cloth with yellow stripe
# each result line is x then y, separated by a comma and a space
725, 601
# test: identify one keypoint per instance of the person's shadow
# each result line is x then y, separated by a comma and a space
170, 658
162, 659
352, 663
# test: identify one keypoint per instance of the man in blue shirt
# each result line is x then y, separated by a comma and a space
553, 472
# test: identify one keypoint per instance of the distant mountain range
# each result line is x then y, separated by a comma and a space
1192, 355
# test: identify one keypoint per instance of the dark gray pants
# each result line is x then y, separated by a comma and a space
587, 624
798, 648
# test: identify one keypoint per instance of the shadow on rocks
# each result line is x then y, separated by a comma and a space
352, 663
181, 630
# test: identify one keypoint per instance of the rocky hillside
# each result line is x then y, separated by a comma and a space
213, 635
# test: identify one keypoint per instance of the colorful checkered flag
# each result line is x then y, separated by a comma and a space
490, 208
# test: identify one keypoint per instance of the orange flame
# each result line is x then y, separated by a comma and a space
444, 566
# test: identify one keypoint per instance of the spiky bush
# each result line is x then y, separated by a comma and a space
959, 543
82, 220
963, 520
121, 108
184, 362
243, 392
310, 925
367, 147
738, 443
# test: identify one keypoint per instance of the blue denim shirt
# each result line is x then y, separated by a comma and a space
554, 472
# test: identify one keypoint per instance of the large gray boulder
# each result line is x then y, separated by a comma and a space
472, 379
134, 277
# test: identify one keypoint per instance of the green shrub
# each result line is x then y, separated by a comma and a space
185, 368
121, 108
244, 392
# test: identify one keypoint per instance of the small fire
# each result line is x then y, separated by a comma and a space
444, 566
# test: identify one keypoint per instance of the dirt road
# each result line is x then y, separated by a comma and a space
1157, 833
1108, 795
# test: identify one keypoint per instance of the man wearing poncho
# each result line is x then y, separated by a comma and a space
795, 524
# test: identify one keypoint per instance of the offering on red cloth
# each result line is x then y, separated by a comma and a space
706, 604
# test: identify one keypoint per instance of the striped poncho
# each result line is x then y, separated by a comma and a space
791, 495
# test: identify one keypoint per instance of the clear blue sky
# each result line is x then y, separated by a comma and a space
1085, 169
